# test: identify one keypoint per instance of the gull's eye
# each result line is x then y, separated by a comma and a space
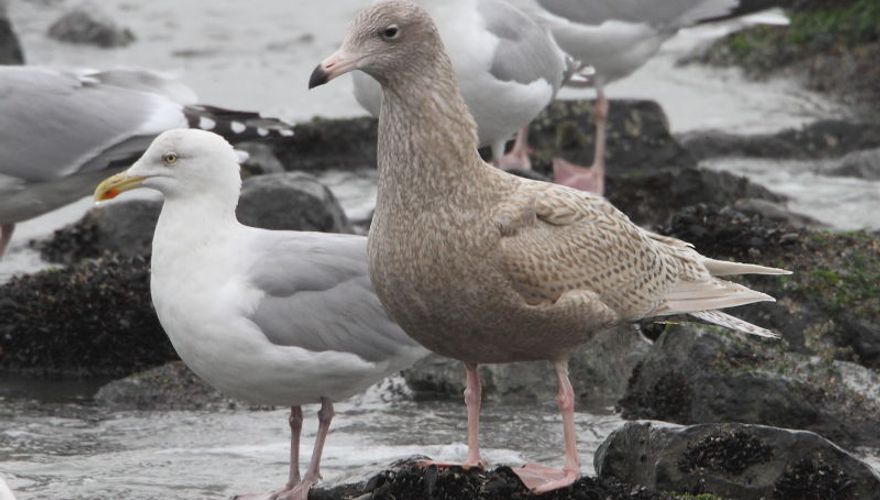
391, 32
169, 158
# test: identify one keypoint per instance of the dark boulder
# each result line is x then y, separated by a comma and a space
92, 319
697, 374
829, 306
171, 386
408, 480
599, 373
84, 25
734, 461
289, 200
821, 139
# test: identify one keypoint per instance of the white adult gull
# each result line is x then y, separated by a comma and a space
615, 38
272, 317
61, 131
509, 69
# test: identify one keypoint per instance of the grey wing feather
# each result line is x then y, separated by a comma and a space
665, 13
318, 297
80, 117
526, 52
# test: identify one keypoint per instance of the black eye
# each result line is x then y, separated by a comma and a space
391, 32
169, 158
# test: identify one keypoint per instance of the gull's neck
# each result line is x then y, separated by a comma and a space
427, 137
189, 229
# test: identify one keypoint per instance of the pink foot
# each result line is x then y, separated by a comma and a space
542, 479
590, 179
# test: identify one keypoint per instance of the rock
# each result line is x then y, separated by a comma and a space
408, 480
734, 461
10, 48
290, 200
859, 164
322, 144
86, 25
599, 372
697, 374
171, 386
776, 212
294, 200
829, 306
638, 137
92, 319
821, 139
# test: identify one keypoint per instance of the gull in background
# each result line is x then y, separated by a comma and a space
615, 38
272, 317
508, 68
61, 131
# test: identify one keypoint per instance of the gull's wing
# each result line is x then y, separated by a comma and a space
525, 52
656, 13
316, 294
564, 240
55, 124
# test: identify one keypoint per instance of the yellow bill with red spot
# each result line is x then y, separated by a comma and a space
112, 186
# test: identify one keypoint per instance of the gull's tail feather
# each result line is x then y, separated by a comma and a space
729, 268
727, 321
695, 296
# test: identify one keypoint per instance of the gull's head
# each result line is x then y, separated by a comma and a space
384, 40
181, 163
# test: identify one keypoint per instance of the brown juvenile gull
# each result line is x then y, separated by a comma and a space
486, 267
272, 317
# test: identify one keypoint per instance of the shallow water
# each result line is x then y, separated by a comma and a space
68, 449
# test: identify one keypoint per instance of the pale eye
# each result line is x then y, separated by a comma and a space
169, 158
391, 32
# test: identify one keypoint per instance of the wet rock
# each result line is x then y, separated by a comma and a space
322, 144
290, 200
87, 25
829, 306
406, 480
652, 198
294, 200
776, 212
638, 137
92, 319
10, 48
860, 164
599, 372
171, 386
697, 374
822, 139
734, 461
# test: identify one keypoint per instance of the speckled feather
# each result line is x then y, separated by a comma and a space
485, 267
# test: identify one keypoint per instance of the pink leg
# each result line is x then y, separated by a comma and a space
588, 178
295, 420
473, 399
518, 157
541, 479
296, 425
313, 475
5, 236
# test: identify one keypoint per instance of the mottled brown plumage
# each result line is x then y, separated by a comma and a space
486, 267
